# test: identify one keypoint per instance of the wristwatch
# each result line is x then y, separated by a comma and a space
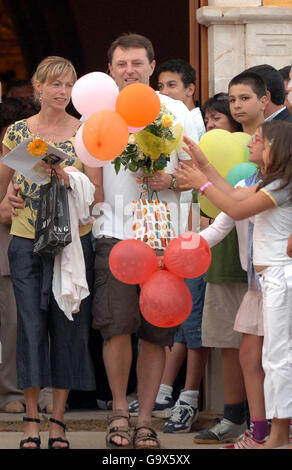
174, 182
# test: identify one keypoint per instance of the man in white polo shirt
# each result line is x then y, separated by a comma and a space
116, 305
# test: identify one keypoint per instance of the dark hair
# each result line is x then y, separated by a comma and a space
279, 135
186, 71
251, 79
220, 103
15, 109
285, 72
274, 81
128, 40
16, 84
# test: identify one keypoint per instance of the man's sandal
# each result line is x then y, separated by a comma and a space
53, 440
34, 440
143, 433
121, 431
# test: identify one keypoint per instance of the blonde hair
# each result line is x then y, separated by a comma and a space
50, 69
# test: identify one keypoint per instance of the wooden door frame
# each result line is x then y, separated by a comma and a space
198, 47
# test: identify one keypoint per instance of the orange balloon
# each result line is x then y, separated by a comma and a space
138, 104
105, 135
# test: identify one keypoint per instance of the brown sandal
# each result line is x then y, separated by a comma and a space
121, 431
143, 432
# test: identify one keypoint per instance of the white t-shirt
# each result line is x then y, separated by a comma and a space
187, 196
115, 213
273, 227
199, 122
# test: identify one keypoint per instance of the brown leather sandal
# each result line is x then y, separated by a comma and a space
143, 432
121, 431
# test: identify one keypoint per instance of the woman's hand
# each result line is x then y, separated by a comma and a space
190, 178
61, 174
195, 153
14, 200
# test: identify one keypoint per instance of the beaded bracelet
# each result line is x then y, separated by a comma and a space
203, 188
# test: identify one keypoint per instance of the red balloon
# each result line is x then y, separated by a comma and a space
132, 261
188, 255
165, 300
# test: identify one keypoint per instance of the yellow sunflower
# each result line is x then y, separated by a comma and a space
37, 147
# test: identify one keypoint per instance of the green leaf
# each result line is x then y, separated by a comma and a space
117, 164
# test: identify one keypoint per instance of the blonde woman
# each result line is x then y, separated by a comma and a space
51, 350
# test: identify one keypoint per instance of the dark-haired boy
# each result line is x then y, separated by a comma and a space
247, 100
177, 79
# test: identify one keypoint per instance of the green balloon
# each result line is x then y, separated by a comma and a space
240, 172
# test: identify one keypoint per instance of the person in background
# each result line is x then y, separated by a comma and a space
248, 100
19, 89
275, 108
49, 345
177, 79
286, 72
226, 286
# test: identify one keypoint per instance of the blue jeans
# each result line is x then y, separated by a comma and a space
52, 351
190, 330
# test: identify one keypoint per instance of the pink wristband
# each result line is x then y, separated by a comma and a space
204, 187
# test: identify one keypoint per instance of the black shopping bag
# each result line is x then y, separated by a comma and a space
52, 230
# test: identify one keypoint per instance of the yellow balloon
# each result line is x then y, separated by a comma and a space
207, 207
243, 138
222, 150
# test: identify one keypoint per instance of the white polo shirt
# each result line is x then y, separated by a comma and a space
114, 215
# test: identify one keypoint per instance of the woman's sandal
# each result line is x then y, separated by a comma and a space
53, 440
121, 431
34, 440
142, 433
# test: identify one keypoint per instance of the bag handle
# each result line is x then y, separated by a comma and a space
150, 194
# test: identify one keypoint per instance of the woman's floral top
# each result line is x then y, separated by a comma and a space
23, 225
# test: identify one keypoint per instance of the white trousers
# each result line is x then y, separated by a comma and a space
277, 347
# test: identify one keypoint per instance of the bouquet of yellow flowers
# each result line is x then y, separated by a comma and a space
149, 149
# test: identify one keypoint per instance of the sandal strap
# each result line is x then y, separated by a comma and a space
31, 420
34, 440
144, 432
60, 423
143, 426
52, 441
118, 414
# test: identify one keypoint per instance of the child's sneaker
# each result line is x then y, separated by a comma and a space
160, 410
181, 418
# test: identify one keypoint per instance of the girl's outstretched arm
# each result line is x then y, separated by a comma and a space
201, 161
242, 203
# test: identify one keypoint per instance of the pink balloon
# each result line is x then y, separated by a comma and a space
95, 91
83, 154
132, 261
132, 130
188, 255
165, 299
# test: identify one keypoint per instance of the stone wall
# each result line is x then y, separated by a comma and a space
243, 35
